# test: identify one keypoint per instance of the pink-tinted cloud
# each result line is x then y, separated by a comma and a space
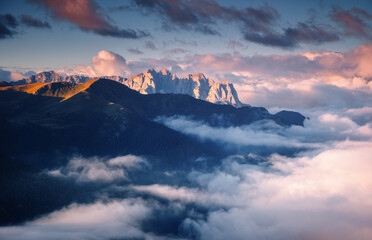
106, 63
354, 63
85, 14
353, 21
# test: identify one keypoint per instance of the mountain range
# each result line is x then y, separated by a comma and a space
151, 81
103, 117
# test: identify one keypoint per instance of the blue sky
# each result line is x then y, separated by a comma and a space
65, 44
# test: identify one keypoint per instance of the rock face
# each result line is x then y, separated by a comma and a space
149, 82
196, 85
51, 76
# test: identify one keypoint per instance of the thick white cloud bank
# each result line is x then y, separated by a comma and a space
116, 219
100, 170
327, 196
318, 129
106, 63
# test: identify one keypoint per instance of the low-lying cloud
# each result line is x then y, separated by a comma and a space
326, 187
318, 129
113, 219
99, 170
328, 191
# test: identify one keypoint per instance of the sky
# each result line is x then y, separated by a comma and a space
285, 48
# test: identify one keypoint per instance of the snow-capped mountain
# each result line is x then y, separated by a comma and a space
151, 81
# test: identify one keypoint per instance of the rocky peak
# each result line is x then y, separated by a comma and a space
164, 72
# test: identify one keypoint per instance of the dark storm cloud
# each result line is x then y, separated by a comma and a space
7, 25
292, 37
257, 24
200, 15
34, 22
353, 21
87, 16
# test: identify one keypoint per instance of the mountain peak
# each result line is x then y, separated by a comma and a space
224, 82
199, 75
150, 70
164, 71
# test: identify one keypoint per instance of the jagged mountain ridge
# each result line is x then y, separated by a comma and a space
152, 105
151, 81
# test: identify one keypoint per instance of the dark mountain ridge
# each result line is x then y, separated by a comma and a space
105, 118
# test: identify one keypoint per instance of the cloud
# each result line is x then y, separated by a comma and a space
305, 94
175, 51
192, 43
8, 23
183, 14
128, 161
113, 219
292, 37
250, 135
316, 190
134, 51
106, 63
350, 64
234, 44
256, 24
361, 116
319, 129
99, 170
87, 16
150, 45
34, 22
184, 194
328, 190
353, 21
5, 75
9, 76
